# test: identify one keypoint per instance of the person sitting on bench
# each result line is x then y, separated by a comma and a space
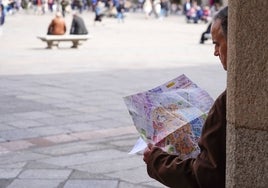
78, 25
57, 26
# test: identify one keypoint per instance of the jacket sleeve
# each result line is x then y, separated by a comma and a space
208, 168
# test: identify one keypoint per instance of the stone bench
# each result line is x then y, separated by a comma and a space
54, 40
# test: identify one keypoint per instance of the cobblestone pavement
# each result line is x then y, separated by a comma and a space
63, 122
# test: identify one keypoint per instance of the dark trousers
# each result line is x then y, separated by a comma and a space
203, 38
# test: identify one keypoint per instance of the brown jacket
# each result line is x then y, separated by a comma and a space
205, 171
57, 26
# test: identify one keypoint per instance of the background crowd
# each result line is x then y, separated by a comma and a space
195, 11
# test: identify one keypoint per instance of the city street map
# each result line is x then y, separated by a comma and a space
171, 116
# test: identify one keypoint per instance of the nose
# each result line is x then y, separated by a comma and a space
216, 52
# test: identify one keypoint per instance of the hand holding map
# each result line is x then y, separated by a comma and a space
171, 116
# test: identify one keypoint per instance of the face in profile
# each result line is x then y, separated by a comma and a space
220, 42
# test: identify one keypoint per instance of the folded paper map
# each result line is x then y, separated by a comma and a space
170, 116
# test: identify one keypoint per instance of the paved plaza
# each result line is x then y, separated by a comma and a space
63, 121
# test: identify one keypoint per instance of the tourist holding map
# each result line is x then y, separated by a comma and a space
171, 116
208, 168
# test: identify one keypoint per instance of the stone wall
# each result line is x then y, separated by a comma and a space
247, 94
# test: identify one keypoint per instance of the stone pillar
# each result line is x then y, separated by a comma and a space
247, 94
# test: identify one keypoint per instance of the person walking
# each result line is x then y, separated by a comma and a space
2, 17
64, 4
99, 11
206, 34
120, 11
147, 8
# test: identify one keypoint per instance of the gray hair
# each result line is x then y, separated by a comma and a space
58, 14
222, 15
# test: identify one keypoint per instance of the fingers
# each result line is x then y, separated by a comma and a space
147, 153
150, 145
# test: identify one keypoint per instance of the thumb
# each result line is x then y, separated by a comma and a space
150, 145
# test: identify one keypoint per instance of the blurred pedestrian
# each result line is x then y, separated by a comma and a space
186, 7
2, 15
156, 8
77, 4
99, 11
206, 34
164, 8
120, 11
147, 8
2, 18
64, 4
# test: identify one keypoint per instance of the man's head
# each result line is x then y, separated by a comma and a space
219, 35
74, 13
